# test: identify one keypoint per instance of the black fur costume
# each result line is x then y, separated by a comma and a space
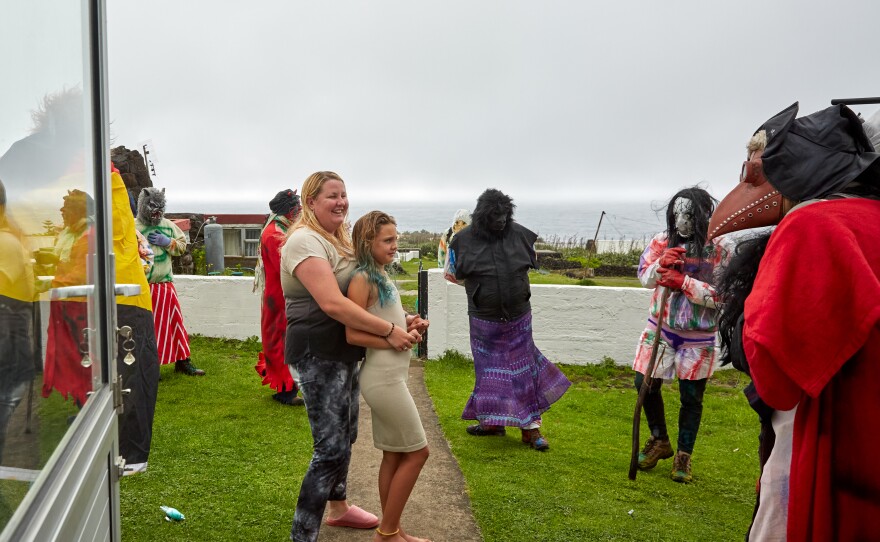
495, 254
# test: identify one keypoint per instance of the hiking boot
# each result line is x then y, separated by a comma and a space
681, 467
654, 450
535, 439
478, 430
185, 366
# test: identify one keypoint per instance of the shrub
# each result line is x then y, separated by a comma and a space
198, 256
428, 250
394, 268
417, 238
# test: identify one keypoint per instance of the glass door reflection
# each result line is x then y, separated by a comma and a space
48, 344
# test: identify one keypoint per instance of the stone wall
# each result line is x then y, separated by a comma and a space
133, 169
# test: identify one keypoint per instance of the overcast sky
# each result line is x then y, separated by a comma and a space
549, 100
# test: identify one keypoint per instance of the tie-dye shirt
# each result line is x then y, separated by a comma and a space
694, 307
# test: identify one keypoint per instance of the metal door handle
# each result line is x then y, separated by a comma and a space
83, 290
64, 292
127, 290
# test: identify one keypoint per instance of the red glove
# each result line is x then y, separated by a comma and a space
671, 257
670, 278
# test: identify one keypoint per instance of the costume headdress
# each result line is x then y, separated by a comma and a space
284, 202
805, 158
462, 214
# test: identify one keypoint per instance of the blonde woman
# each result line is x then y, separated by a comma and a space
317, 262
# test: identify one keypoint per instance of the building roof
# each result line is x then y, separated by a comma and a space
256, 220
183, 223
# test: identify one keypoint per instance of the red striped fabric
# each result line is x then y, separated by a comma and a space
172, 339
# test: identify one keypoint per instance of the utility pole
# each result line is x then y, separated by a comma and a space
595, 237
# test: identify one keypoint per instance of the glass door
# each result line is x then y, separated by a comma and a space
59, 466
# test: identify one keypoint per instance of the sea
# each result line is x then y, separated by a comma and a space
567, 221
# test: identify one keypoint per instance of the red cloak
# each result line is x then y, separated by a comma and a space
812, 339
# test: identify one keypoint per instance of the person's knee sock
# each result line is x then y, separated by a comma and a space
690, 413
653, 407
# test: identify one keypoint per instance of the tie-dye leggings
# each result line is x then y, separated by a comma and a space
331, 393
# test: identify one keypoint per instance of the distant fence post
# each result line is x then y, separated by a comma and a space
422, 307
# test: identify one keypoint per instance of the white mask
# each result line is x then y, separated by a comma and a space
683, 210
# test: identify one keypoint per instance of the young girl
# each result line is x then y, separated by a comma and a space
397, 429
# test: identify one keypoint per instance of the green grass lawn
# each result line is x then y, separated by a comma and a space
223, 453
535, 277
230, 458
579, 490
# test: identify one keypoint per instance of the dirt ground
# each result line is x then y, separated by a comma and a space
438, 509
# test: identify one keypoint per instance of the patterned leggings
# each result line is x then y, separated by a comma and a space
689, 415
331, 393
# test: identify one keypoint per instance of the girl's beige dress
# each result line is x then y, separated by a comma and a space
396, 423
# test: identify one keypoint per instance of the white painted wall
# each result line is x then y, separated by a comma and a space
572, 324
219, 306
577, 325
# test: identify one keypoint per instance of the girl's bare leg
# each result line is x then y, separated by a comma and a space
402, 480
389, 465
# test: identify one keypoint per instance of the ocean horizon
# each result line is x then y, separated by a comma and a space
623, 220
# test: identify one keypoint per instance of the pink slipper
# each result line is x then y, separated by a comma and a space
356, 518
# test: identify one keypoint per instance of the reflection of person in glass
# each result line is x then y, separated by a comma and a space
49, 160
66, 346
16, 315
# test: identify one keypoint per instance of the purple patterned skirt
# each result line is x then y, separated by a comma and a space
515, 383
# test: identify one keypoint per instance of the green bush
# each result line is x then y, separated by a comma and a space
428, 250
198, 256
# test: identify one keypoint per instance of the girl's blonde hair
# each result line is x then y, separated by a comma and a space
341, 238
364, 233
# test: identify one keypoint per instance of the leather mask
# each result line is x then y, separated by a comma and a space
752, 204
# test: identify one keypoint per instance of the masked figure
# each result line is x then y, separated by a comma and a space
166, 240
804, 323
680, 260
286, 208
461, 220
515, 383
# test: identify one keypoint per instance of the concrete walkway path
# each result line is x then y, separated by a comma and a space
439, 508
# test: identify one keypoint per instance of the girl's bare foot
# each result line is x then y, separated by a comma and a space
410, 538
396, 537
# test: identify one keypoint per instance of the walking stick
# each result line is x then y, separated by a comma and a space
643, 389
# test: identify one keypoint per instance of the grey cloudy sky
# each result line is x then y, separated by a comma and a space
550, 100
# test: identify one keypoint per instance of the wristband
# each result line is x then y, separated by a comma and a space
390, 331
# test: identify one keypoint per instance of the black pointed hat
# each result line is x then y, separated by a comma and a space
816, 155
